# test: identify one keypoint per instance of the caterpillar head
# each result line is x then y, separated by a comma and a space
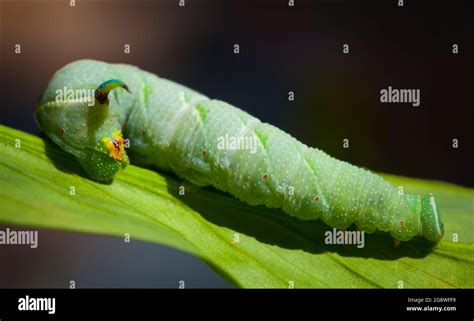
82, 125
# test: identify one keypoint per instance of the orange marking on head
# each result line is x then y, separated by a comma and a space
115, 146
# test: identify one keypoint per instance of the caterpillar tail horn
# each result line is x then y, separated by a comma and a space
103, 90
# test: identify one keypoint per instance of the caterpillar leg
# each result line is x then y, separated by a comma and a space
396, 243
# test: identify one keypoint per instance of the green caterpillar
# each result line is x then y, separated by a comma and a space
173, 128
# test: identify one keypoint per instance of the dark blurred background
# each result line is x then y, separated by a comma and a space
282, 49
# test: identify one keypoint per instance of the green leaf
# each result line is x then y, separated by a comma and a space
274, 250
